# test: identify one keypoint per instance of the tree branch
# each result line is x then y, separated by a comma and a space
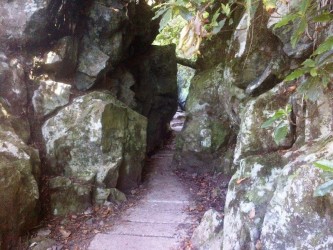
186, 62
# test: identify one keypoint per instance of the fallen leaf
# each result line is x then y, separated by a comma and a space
96, 231
64, 233
241, 180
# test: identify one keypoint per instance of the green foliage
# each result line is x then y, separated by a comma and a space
317, 69
327, 187
201, 21
280, 121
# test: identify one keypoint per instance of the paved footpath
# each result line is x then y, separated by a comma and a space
159, 221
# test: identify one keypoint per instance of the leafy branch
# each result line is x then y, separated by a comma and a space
280, 121
327, 187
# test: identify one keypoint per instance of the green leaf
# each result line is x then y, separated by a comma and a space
280, 133
226, 9
285, 20
218, 28
160, 12
324, 17
325, 46
299, 32
295, 74
165, 19
183, 12
313, 72
305, 4
323, 189
278, 115
309, 63
324, 165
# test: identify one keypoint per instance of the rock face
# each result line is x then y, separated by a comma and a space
270, 203
20, 173
51, 52
49, 96
208, 128
112, 28
95, 141
204, 237
184, 77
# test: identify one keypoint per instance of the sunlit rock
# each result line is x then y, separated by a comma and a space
98, 140
49, 96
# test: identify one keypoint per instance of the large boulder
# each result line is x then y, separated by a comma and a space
20, 173
255, 62
95, 143
202, 144
115, 30
270, 203
252, 139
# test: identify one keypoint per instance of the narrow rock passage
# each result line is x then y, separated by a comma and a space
160, 220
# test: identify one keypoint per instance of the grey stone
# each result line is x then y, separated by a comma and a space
96, 140
208, 235
252, 139
19, 180
17, 17
49, 96
184, 77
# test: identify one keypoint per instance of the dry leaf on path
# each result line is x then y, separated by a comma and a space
64, 233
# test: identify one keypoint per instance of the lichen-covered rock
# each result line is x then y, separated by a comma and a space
49, 96
249, 193
19, 179
252, 139
12, 84
208, 235
98, 140
70, 196
91, 63
112, 28
323, 107
270, 202
200, 146
255, 61
184, 77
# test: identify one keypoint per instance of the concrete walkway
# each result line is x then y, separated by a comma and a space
159, 221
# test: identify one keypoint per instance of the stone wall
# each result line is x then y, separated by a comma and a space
270, 203
82, 89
